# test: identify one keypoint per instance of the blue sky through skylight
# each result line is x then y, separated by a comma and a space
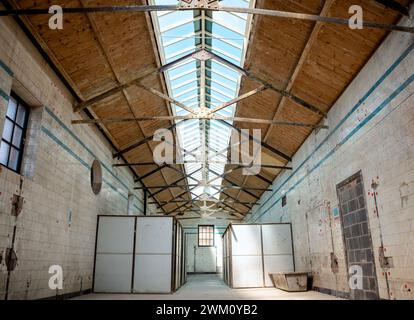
225, 34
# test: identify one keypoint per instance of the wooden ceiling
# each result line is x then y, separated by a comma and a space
313, 61
96, 52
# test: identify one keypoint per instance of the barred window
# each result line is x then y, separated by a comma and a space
205, 236
14, 131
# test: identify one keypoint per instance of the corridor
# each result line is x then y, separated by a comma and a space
212, 287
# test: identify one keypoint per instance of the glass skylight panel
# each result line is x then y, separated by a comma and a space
233, 22
172, 49
223, 33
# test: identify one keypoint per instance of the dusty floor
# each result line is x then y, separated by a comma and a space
211, 287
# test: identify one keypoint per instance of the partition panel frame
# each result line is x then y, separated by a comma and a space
174, 231
227, 237
96, 251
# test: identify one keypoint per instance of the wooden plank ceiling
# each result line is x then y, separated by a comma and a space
99, 51
313, 61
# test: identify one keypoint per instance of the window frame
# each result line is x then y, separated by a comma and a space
213, 235
20, 148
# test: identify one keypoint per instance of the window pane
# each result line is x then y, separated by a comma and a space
17, 137
8, 130
206, 236
14, 158
12, 107
4, 153
21, 115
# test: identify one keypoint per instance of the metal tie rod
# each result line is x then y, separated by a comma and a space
201, 117
254, 11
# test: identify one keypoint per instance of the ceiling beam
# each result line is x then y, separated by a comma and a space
312, 38
111, 64
143, 164
202, 200
161, 76
178, 181
37, 41
177, 209
167, 98
186, 202
227, 206
187, 188
254, 11
263, 144
258, 176
233, 198
149, 70
201, 185
268, 85
221, 191
234, 184
201, 117
141, 142
151, 173
238, 99
113, 91
305, 53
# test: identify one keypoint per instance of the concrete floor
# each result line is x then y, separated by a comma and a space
212, 287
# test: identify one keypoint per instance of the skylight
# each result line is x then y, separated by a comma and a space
225, 34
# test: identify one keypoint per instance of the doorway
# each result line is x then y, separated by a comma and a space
357, 235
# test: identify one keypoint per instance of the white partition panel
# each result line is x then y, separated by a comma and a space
138, 254
154, 235
277, 250
246, 252
247, 271
275, 264
152, 274
252, 251
246, 240
153, 255
114, 253
277, 239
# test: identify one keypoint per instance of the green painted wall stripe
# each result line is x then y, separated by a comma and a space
74, 155
139, 209
74, 136
404, 55
6, 68
61, 144
4, 95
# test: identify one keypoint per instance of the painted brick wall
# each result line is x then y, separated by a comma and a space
370, 129
191, 238
58, 221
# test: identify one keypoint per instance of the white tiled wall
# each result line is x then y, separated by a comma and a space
377, 137
56, 180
